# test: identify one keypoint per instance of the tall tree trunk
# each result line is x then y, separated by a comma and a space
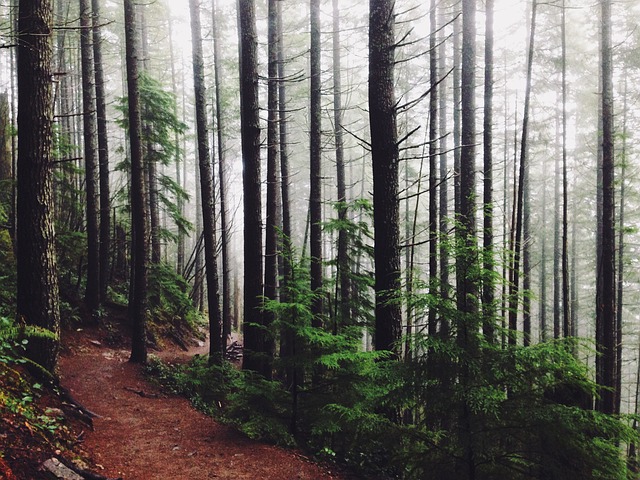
542, 308
606, 287
621, 249
92, 294
344, 282
567, 320
37, 296
457, 64
250, 133
384, 154
444, 172
526, 254
206, 188
103, 152
179, 178
519, 206
433, 166
466, 255
315, 161
225, 230
488, 284
138, 306
271, 226
151, 164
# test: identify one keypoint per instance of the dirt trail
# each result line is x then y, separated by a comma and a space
143, 434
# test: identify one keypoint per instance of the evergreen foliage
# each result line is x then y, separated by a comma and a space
159, 115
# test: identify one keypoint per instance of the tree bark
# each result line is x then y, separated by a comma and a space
488, 284
206, 188
315, 161
103, 153
433, 166
606, 287
519, 206
92, 294
271, 227
37, 296
250, 133
344, 281
384, 155
138, 306
225, 230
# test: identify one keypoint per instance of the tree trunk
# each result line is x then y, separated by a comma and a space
488, 284
433, 166
519, 206
138, 306
466, 254
37, 296
566, 315
103, 153
315, 161
606, 287
225, 231
384, 155
206, 189
92, 294
250, 133
344, 274
271, 227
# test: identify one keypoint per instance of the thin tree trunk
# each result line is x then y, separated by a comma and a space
103, 153
519, 206
271, 225
92, 293
206, 188
466, 255
315, 161
488, 284
621, 249
225, 230
179, 200
344, 273
433, 166
568, 321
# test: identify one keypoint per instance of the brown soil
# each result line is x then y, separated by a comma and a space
142, 433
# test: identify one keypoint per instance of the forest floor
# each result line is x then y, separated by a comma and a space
143, 433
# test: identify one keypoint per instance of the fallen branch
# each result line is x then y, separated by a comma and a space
142, 393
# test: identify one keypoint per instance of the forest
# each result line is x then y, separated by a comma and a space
405, 231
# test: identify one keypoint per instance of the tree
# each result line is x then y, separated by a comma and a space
606, 331
206, 188
488, 285
315, 162
37, 296
250, 134
139, 248
343, 245
271, 227
433, 164
519, 206
92, 295
103, 152
225, 235
466, 261
384, 156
